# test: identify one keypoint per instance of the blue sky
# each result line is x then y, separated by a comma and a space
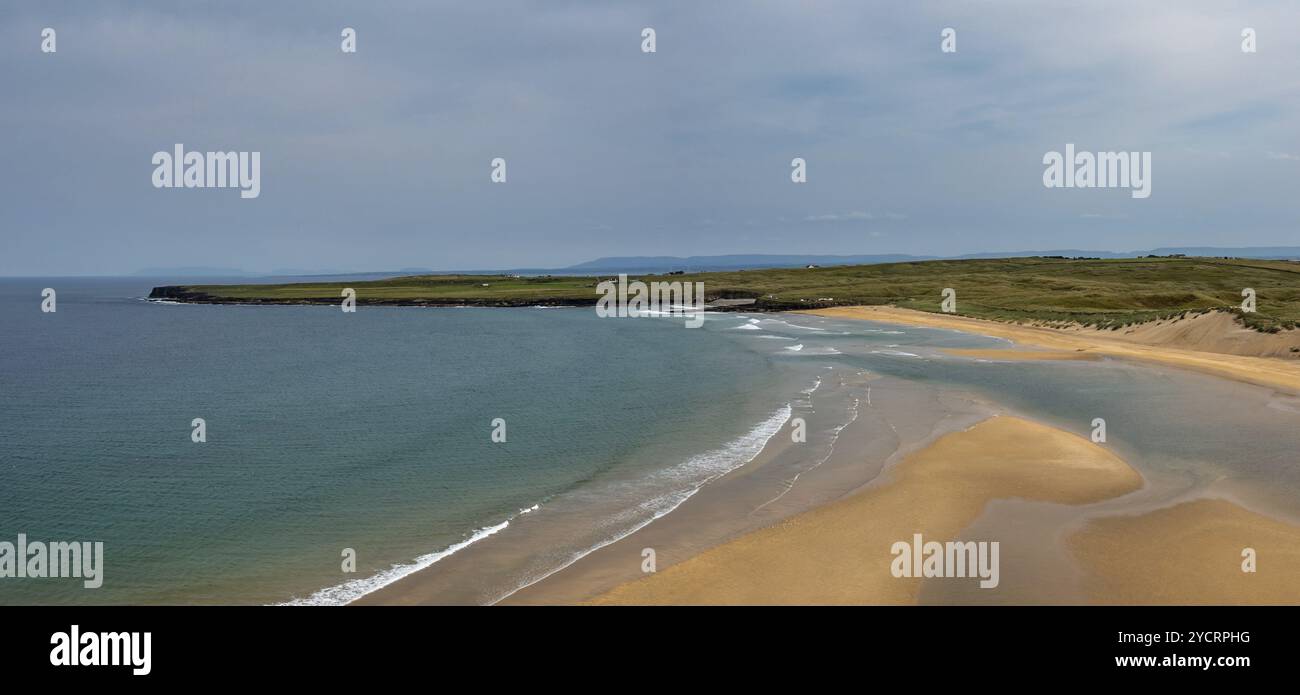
380, 159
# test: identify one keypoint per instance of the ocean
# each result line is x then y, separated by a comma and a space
372, 433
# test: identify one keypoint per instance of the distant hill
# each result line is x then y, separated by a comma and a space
659, 264
1066, 253
754, 261
194, 272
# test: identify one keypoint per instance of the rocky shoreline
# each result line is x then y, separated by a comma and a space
178, 293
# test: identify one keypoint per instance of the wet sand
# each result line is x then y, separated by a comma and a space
895, 418
840, 553
1189, 553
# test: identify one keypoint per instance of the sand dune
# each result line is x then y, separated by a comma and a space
1216, 331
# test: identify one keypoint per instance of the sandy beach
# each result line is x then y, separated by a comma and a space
1188, 552
1210, 343
840, 553
1008, 355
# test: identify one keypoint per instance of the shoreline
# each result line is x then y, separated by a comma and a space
745, 503
200, 298
1100, 557
755, 494
421, 586
606, 573
1262, 371
1185, 552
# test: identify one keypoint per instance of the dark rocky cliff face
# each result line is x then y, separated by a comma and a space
178, 293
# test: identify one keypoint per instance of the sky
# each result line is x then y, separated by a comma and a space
381, 159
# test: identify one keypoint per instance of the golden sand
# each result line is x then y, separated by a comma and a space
1190, 553
840, 553
1267, 371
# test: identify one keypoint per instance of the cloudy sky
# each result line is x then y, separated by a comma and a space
381, 159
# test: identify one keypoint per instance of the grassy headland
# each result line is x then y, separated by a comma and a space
1105, 293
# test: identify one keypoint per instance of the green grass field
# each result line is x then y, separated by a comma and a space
1106, 293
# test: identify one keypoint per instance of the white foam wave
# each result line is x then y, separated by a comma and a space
698, 471
835, 437
350, 591
819, 352
811, 389
795, 325
897, 353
